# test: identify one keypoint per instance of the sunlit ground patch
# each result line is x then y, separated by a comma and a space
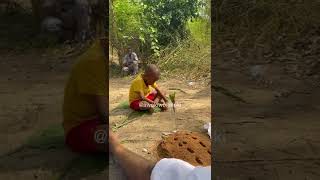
82, 165
131, 115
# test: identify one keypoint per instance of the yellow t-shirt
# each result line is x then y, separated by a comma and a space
138, 85
88, 78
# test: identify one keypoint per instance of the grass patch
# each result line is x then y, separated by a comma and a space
200, 30
189, 60
53, 136
123, 105
131, 116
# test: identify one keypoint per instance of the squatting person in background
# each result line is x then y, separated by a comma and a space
130, 62
85, 106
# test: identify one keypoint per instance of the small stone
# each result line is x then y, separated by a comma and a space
144, 150
166, 133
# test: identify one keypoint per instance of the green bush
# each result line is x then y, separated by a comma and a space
150, 25
188, 60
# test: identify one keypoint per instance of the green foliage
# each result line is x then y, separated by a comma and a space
123, 105
168, 18
114, 70
175, 34
153, 24
187, 60
128, 20
200, 30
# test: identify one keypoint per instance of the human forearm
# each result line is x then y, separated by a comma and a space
161, 94
143, 98
135, 166
148, 100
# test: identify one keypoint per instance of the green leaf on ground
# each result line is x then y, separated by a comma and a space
52, 136
123, 105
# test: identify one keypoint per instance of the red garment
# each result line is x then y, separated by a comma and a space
135, 104
82, 137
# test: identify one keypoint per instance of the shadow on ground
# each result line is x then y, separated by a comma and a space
46, 151
127, 114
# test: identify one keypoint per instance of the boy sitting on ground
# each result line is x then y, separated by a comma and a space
85, 105
141, 95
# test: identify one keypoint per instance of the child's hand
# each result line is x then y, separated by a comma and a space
165, 107
165, 100
152, 102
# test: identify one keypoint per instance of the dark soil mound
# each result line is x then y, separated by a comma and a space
192, 147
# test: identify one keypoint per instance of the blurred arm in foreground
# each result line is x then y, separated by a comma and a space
139, 168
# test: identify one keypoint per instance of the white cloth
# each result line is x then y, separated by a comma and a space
176, 169
125, 69
130, 58
208, 127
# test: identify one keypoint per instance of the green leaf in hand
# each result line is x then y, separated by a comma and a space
172, 97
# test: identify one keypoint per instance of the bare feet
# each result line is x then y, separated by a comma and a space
163, 106
151, 110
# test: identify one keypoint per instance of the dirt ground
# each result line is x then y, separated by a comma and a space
31, 136
267, 128
261, 131
144, 132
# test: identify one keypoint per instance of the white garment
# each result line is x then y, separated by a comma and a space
208, 128
130, 58
176, 169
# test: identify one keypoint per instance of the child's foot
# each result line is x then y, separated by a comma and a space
163, 106
151, 110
